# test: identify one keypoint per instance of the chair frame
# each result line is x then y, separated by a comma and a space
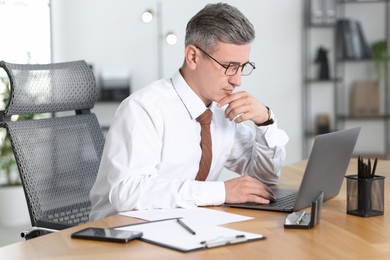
63, 87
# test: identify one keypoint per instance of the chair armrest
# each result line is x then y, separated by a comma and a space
43, 227
34, 232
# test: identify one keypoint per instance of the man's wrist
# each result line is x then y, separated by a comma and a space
269, 121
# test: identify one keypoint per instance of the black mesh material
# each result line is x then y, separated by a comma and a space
58, 157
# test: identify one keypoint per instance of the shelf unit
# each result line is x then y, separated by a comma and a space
331, 97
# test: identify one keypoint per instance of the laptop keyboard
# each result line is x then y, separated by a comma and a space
282, 202
286, 201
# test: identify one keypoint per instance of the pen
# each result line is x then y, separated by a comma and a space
374, 168
300, 217
369, 169
185, 226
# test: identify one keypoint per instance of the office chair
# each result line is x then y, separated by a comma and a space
58, 156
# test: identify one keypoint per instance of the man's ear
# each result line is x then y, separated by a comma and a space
191, 57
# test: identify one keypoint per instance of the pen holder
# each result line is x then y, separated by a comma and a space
365, 197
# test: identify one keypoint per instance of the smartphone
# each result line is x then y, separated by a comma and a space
107, 234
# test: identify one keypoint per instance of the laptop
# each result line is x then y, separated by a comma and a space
325, 170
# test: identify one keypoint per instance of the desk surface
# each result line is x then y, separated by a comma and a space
337, 236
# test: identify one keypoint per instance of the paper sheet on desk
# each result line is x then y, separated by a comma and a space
210, 216
170, 234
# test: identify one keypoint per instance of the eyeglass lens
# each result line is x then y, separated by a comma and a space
233, 68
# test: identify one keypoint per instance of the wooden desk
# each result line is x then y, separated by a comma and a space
337, 236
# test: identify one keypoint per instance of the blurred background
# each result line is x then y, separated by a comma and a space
129, 44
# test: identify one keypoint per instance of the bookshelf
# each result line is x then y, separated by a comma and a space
334, 97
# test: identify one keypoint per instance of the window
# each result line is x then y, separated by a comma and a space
25, 31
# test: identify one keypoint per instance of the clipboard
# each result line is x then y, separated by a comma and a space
197, 235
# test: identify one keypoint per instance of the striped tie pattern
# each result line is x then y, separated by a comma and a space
205, 143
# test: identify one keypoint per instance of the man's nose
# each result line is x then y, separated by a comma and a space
236, 79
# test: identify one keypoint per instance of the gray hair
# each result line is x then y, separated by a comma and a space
218, 23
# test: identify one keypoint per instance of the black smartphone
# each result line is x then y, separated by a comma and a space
107, 234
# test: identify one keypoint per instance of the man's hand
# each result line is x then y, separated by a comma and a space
247, 189
242, 106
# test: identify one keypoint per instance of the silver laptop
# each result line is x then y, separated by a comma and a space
325, 170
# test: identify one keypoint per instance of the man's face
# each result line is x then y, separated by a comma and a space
211, 82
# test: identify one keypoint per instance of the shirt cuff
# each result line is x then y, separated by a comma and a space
211, 193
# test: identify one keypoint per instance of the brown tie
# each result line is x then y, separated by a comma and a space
205, 162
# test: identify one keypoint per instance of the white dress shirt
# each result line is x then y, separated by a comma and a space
152, 152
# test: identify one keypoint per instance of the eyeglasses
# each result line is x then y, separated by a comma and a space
232, 68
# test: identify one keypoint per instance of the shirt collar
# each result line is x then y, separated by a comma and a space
190, 99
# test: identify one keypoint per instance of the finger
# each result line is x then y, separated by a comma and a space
259, 189
269, 190
242, 117
272, 198
235, 105
266, 194
230, 98
259, 200
248, 114
237, 113
239, 109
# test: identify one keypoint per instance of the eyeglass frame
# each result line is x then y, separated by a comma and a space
226, 67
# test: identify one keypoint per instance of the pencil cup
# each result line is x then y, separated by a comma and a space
365, 197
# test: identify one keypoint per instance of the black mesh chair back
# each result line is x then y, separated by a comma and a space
57, 157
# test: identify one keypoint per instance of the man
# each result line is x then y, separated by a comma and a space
153, 150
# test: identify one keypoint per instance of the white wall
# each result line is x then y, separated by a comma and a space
110, 35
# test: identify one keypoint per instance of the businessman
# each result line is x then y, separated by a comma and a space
161, 152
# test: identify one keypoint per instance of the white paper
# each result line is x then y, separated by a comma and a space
171, 234
209, 216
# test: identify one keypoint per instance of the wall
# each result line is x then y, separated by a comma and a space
110, 35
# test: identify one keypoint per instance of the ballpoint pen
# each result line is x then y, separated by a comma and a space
300, 217
185, 226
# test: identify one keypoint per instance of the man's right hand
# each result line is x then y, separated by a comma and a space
247, 189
